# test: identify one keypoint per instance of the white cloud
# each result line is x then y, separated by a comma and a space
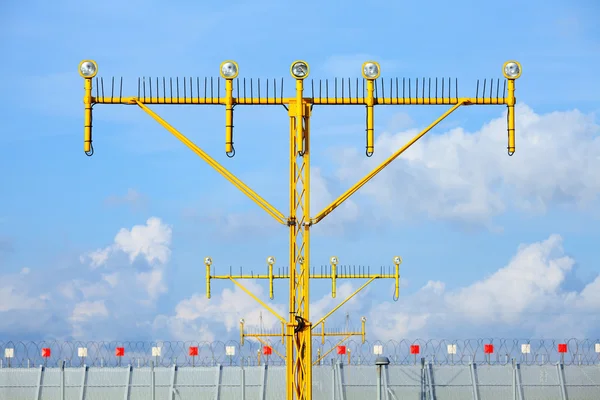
524, 298
153, 282
151, 241
12, 298
467, 177
87, 310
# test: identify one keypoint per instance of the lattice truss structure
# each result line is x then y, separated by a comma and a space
297, 330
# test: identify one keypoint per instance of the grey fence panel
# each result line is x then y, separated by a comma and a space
495, 382
141, 384
582, 382
276, 382
322, 382
404, 383
19, 383
540, 382
348, 382
453, 383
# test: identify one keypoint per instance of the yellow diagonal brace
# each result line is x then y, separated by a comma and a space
336, 203
272, 211
331, 349
267, 344
344, 302
262, 303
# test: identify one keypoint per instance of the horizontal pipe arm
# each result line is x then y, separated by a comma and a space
309, 100
319, 276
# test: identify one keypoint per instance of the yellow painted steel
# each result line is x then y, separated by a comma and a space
298, 329
272, 211
332, 348
229, 117
259, 301
511, 116
337, 202
265, 343
345, 301
272, 101
370, 120
87, 121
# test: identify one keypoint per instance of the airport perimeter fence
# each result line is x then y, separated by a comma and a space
351, 352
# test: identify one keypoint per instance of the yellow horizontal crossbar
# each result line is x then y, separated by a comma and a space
309, 100
339, 276
278, 335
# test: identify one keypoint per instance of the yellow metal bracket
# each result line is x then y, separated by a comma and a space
272, 211
337, 202
259, 301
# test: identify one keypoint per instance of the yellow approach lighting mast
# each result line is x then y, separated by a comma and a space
298, 327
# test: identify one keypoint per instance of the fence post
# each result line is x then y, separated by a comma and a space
474, 381
430, 381
38, 393
152, 380
218, 382
514, 379
173, 376
83, 380
128, 382
333, 378
341, 381
563, 389
243, 379
519, 385
62, 379
263, 383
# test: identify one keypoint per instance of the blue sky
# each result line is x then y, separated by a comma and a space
487, 240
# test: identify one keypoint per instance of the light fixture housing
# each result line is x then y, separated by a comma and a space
397, 260
300, 69
334, 260
371, 70
88, 69
512, 69
229, 69
270, 260
208, 261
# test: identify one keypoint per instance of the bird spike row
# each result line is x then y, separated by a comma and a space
332, 271
188, 90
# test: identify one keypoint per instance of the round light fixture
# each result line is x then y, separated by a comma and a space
229, 69
208, 261
299, 69
511, 70
371, 70
88, 68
